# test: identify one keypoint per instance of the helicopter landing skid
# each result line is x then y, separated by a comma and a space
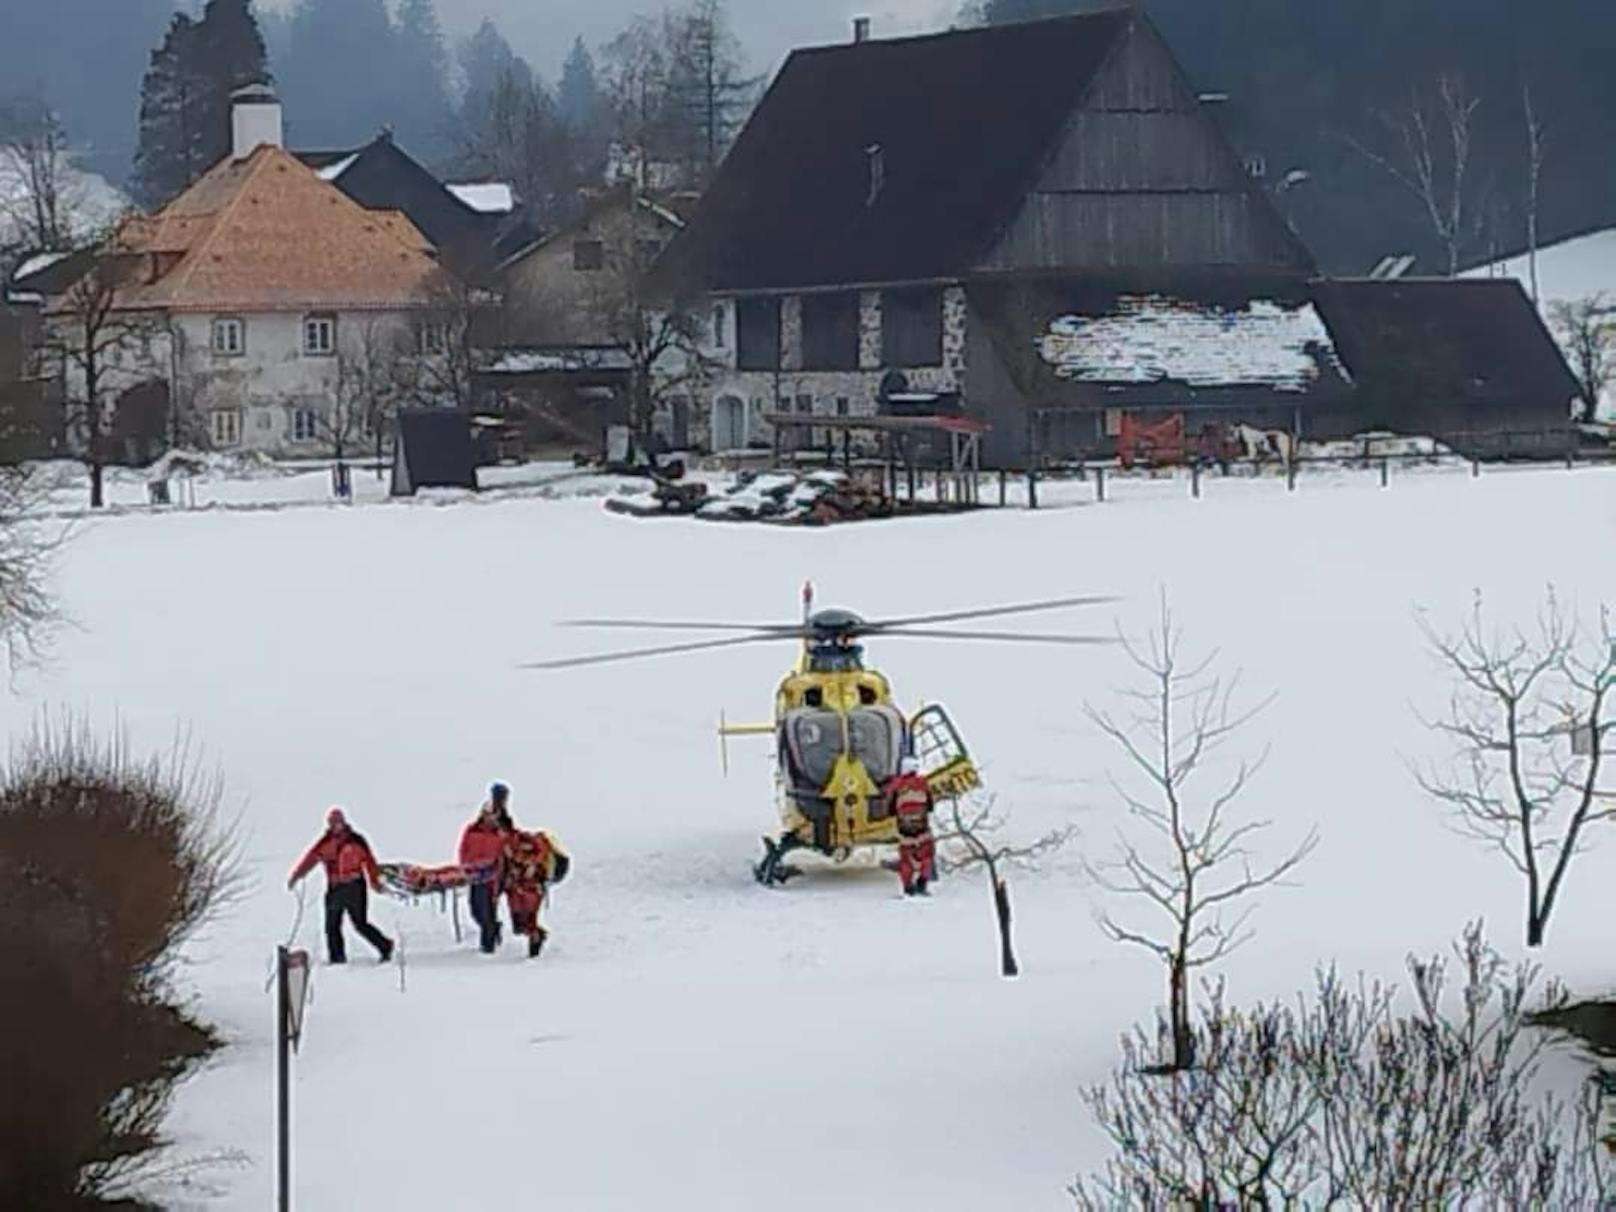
773, 869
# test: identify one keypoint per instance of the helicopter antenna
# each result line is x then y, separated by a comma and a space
807, 601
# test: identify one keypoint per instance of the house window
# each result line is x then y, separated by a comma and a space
718, 327
319, 336
830, 332
912, 328
841, 406
229, 336
305, 424
805, 404
430, 338
226, 427
588, 255
757, 334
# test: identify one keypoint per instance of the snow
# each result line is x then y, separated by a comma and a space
1568, 270
690, 1041
517, 362
488, 197
334, 170
37, 262
1148, 338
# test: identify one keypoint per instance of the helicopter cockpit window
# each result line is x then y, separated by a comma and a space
867, 694
813, 742
814, 697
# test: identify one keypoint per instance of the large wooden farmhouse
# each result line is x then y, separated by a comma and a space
1043, 225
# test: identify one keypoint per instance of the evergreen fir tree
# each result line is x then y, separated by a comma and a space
229, 53
168, 157
185, 97
341, 79
422, 117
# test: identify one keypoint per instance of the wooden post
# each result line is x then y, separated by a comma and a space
1290, 475
1385, 471
1195, 480
283, 1084
1099, 483
1004, 487
1032, 488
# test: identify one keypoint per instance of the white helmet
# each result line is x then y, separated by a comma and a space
909, 765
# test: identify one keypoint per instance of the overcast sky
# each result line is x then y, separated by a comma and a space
543, 30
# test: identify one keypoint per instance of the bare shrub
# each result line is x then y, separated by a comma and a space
142, 842
107, 865
1346, 1100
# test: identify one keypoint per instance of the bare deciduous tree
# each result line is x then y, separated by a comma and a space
973, 838
375, 370
28, 613
1344, 1101
1527, 722
1430, 156
1198, 865
1586, 329
42, 199
89, 333
1536, 152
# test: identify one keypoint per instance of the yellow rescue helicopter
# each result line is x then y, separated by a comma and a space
839, 734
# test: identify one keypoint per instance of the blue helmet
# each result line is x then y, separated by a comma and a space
499, 791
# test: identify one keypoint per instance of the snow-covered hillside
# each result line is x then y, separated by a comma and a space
690, 1041
1571, 269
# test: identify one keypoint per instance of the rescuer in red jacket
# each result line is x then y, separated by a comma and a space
909, 799
482, 850
349, 865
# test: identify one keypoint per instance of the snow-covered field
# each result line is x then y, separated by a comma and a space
691, 1041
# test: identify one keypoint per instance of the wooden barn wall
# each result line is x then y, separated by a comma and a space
1144, 179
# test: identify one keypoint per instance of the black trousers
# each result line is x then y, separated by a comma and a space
485, 912
352, 899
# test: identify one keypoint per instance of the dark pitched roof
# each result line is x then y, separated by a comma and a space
1445, 339
382, 176
963, 120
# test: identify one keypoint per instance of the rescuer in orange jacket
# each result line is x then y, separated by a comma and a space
349, 865
482, 857
909, 799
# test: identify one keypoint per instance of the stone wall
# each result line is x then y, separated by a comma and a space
766, 391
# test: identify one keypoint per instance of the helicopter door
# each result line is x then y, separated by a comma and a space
942, 755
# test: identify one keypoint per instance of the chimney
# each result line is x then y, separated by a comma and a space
255, 119
861, 29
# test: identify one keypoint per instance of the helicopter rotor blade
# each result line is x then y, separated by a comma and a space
634, 654
771, 629
1011, 637
884, 626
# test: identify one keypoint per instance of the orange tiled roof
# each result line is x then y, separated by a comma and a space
265, 233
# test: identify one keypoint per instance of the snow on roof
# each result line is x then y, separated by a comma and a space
488, 197
1148, 338
538, 361
332, 171
1571, 269
37, 262
662, 212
